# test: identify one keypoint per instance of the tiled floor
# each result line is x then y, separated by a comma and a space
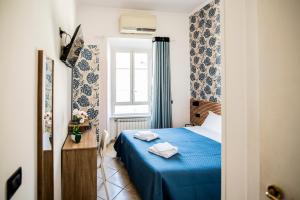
119, 185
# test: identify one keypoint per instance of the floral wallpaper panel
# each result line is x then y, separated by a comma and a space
205, 53
86, 84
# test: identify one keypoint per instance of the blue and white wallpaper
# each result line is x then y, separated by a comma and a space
205, 53
86, 83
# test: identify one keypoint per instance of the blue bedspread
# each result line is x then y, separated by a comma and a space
194, 173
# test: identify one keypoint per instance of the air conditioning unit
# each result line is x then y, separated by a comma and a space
138, 24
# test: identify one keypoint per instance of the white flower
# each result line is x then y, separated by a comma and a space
83, 114
75, 112
81, 121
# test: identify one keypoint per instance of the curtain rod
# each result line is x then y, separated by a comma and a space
161, 39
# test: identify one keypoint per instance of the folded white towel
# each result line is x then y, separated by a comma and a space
165, 146
146, 135
165, 149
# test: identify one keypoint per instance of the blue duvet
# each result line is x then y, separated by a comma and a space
193, 173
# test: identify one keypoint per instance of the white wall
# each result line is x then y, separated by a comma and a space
25, 27
100, 23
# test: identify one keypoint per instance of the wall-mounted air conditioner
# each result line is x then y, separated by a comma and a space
138, 24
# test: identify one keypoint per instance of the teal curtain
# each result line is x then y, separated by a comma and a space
161, 93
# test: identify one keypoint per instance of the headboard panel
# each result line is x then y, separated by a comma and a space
199, 110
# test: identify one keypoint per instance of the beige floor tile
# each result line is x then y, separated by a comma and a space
119, 179
108, 172
126, 195
110, 151
113, 163
113, 190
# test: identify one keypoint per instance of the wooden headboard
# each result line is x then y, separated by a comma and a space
199, 110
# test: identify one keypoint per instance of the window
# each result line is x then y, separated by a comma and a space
131, 78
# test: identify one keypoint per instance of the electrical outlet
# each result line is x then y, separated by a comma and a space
196, 103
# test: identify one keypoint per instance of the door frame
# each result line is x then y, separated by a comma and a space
240, 100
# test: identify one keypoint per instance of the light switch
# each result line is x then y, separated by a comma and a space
13, 183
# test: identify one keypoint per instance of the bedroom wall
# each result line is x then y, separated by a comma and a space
25, 27
205, 53
101, 23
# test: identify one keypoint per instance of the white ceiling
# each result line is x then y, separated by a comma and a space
184, 6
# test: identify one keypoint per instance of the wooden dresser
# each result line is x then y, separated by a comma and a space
79, 168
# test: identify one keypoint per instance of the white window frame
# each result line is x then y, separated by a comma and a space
132, 101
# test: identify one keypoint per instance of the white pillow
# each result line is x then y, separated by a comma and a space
213, 122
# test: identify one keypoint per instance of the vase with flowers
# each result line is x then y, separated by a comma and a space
78, 116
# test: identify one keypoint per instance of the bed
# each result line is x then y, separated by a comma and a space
193, 173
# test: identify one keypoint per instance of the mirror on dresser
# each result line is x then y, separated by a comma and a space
45, 135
